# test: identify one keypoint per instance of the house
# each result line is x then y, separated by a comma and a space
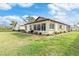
75, 27
21, 27
46, 26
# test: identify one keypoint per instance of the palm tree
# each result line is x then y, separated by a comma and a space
13, 24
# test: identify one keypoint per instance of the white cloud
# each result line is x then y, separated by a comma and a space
63, 12
25, 4
13, 18
5, 6
8, 6
31, 15
25, 16
6, 20
68, 6
35, 16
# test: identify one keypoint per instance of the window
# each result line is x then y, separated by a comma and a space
38, 27
30, 27
51, 26
26, 27
34, 27
43, 27
60, 26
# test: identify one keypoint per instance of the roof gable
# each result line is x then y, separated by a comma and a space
40, 19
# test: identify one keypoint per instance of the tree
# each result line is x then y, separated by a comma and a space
13, 24
30, 19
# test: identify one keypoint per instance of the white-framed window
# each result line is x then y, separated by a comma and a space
26, 27
61, 26
38, 26
43, 27
52, 26
34, 27
30, 27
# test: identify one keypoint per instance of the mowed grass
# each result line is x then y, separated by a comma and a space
20, 44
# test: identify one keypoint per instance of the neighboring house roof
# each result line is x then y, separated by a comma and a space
45, 19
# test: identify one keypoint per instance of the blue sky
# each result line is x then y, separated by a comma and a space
64, 12
36, 9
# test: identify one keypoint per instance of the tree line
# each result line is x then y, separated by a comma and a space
14, 23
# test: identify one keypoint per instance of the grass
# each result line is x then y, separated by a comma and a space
20, 44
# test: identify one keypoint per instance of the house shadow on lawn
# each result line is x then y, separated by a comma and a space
73, 49
20, 35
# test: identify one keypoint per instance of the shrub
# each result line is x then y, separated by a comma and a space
35, 32
40, 33
60, 32
56, 33
4, 29
64, 32
31, 31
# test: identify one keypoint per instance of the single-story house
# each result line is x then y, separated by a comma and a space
75, 27
21, 27
46, 26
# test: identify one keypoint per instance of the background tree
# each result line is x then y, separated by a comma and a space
30, 19
13, 24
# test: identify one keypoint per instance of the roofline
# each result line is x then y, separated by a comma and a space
47, 20
59, 22
22, 25
36, 22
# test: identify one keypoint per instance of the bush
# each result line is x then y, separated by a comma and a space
68, 31
4, 29
40, 33
56, 33
60, 32
31, 31
64, 32
35, 32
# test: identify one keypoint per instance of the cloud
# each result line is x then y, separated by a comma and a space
63, 12
24, 17
26, 4
35, 16
14, 18
6, 20
18, 19
68, 6
5, 6
8, 6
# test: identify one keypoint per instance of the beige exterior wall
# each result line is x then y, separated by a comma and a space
27, 28
22, 27
48, 30
57, 28
43, 32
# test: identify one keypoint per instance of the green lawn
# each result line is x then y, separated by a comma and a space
16, 44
